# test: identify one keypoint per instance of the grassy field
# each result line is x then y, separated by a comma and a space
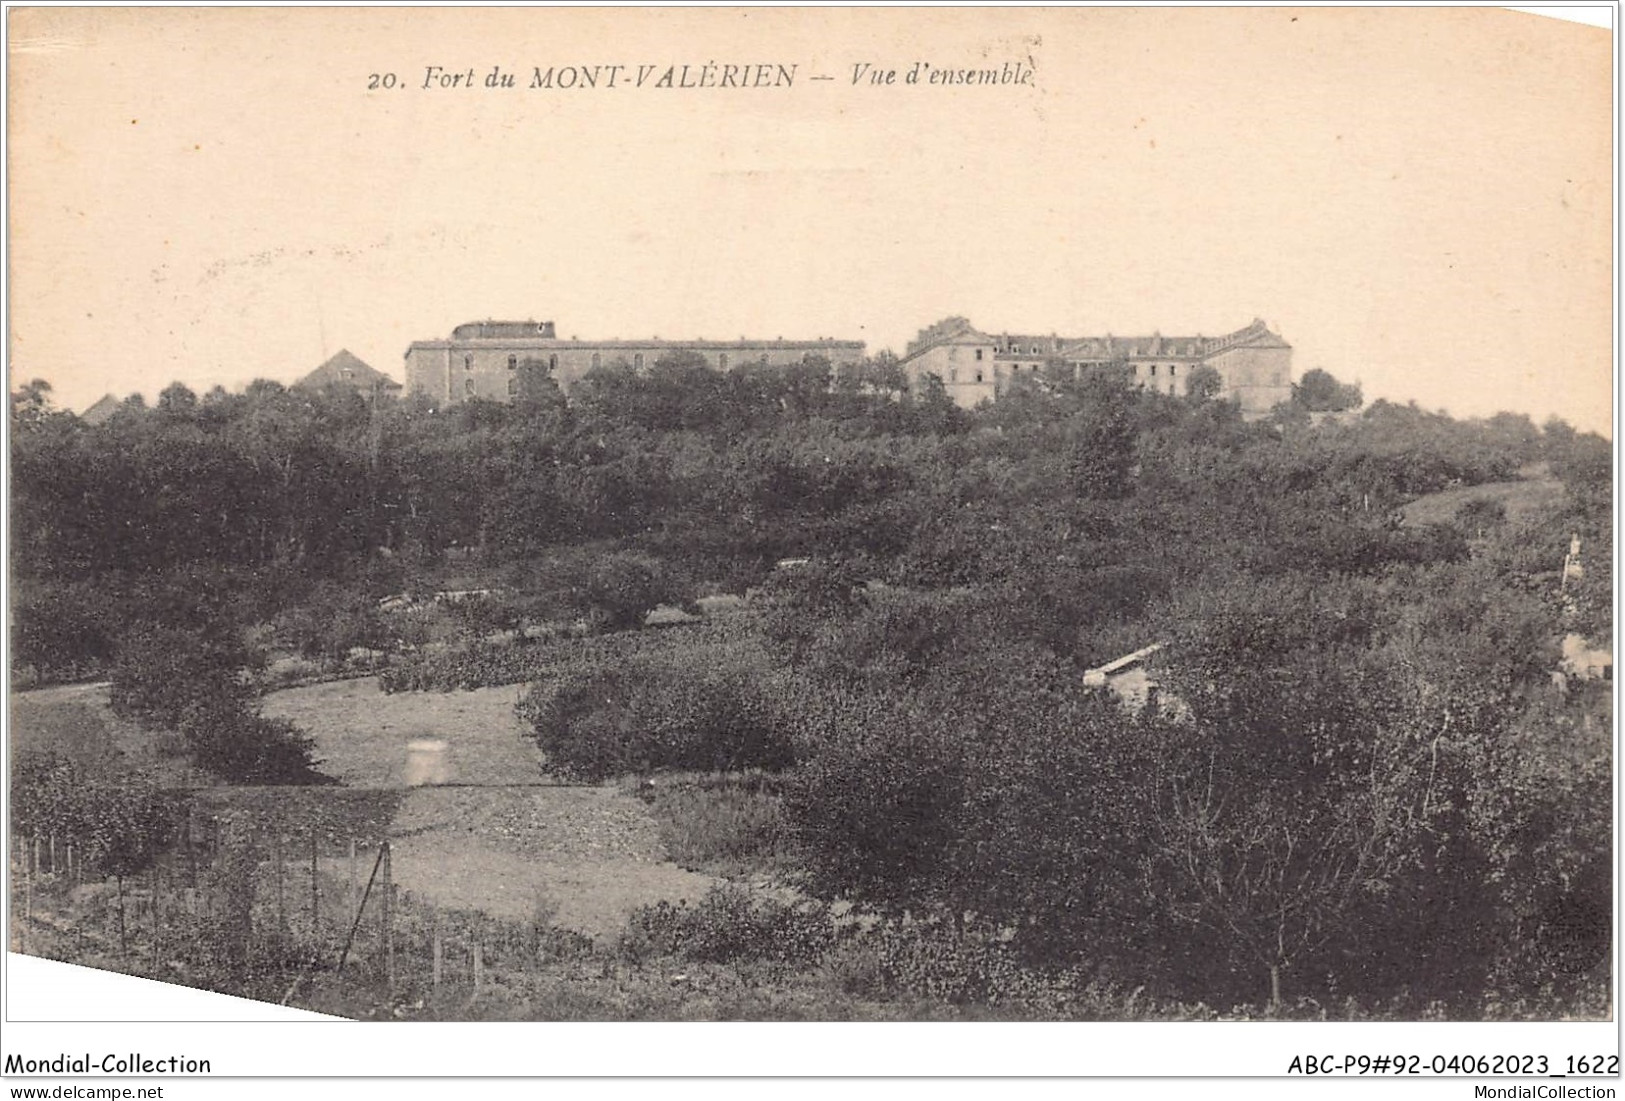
363, 735
74, 721
1521, 498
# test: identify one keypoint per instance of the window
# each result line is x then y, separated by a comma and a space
1173, 369
1153, 370
513, 387
953, 374
553, 363
978, 355
468, 387
597, 361
468, 363
722, 361
978, 376
513, 361
637, 361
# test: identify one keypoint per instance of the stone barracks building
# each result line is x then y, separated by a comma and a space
491, 359
1254, 363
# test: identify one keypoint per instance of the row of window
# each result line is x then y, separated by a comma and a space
597, 361
953, 374
468, 387
513, 362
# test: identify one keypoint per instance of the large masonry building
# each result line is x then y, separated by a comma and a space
1254, 364
494, 359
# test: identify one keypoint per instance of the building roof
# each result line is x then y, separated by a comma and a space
102, 411
958, 330
651, 344
499, 330
345, 369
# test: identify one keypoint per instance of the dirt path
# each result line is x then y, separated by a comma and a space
488, 834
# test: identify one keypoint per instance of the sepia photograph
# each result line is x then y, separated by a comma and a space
952, 517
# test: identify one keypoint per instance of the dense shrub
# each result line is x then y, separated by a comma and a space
463, 668
729, 925
248, 748
197, 684
490, 664
62, 631
335, 620
873, 810
161, 673
657, 714
118, 828
722, 823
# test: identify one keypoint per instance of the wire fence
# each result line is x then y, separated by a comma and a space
264, 914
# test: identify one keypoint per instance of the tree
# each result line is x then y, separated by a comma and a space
623, 587
874, 808
1101, 439
1204, 384
176, 400
190, 682
30, 404
1319, 392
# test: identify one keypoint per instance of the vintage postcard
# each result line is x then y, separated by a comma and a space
1090, 517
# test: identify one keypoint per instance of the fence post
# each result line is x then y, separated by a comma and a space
157, 929
315, 894
28, 904
360, 908
388, 911
123, 937
438, 950
281, 897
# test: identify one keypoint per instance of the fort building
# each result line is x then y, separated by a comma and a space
345, 372
495, 360
1254, 364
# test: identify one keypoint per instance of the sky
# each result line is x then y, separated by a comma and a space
1416, 199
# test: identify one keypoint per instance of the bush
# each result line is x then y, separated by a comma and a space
248, 748
873, 811
119, 828
335, 621
62, 632
729, 926
724, 823
603, 721
161, 673
623, 587
195, 684
477, 665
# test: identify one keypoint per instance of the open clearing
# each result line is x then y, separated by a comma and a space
495, 833
1520, 498
362, 735
580, 858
